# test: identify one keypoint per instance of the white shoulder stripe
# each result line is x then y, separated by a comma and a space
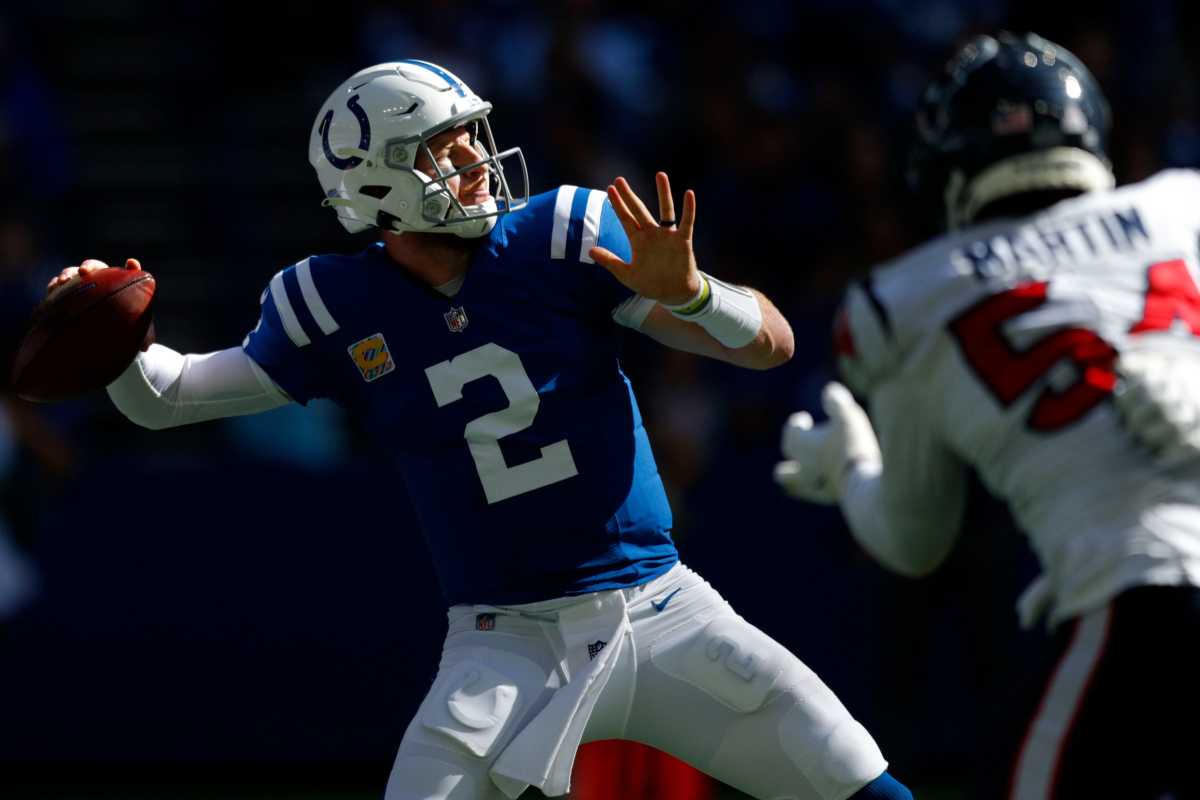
284, 307
562, 218
312, 298
591, 224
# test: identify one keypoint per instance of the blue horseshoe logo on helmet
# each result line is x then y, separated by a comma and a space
364, 139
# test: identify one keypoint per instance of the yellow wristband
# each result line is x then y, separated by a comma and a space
697, 305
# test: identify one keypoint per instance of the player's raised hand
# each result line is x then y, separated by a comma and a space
87, 267
663, 266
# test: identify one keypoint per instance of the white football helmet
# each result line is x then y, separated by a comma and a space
366, 138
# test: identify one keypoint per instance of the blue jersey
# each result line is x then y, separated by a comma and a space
515, 431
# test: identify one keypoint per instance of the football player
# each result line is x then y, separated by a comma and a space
479, 338
995, 347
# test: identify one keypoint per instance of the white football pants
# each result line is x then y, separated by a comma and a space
693, 679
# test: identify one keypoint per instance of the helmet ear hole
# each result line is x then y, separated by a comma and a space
376, 191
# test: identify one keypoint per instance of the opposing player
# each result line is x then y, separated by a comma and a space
995, 347
479, 338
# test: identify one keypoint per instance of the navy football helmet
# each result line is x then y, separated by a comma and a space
1011, 114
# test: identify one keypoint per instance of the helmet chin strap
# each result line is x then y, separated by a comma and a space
1044, 170
472, 228
475, 227
465, 221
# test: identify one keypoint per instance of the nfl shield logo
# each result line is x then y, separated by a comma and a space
456, 319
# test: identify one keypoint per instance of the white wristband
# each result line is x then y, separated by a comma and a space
732, 315
695, 304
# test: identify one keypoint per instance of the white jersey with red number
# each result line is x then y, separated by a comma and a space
994, 346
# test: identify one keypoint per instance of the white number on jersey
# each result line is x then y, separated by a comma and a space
499, 480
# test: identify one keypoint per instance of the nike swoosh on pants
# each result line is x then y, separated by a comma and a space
660, 606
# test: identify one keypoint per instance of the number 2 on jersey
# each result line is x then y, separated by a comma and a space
1008, 373
499, 480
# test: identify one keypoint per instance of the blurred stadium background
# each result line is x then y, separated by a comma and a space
244, 609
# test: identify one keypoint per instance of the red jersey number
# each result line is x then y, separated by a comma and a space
1171, 295
1008, 373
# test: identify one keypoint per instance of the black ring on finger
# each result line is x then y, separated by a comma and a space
666, 223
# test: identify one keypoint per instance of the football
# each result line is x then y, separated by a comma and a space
84, 335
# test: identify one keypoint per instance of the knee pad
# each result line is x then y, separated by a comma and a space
833, 751
728, 659
744, 669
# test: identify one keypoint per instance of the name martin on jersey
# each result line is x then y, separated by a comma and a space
1040, 246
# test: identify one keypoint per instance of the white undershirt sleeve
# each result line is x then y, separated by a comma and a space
633, 312
164, 389
906, 514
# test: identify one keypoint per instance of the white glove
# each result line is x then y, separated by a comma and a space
1158, 396
819, 456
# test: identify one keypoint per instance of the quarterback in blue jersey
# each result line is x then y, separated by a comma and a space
504, 404
480, 339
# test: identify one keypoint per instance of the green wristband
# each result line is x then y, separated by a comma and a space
697, 305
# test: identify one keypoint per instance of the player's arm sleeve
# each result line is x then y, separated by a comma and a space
165, 389
864, 337
907, 513
633, 311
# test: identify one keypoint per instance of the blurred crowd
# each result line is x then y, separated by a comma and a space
177, 135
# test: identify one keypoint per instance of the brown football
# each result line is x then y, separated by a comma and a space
84, 335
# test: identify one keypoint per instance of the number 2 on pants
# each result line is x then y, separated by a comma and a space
499, 480
1008, 373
